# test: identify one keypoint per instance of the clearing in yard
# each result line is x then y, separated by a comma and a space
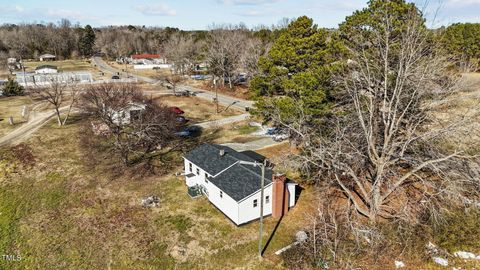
60, 212
67, 66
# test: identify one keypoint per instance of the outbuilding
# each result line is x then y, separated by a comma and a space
47, 57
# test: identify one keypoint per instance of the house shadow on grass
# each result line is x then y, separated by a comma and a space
298, 191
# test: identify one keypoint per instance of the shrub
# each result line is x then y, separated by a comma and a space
12, 88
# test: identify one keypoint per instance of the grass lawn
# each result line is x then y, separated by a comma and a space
62, 214
12, 106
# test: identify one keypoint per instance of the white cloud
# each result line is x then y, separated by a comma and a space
156, 10
12, 8
246, 2
463, 2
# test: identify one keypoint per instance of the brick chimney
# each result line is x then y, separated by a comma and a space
280, 196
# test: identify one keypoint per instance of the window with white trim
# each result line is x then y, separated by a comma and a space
206, 176
190, 167
198, 171
255, 203
267, 199
221, 194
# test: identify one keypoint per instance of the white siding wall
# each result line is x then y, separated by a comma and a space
226, 204
194, 180
246, 210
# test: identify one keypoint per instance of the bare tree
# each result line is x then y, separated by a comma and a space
151, 126
225, 48
383, 146
183, 52
174, 80
57, 93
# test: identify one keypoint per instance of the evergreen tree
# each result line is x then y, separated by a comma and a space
12, 88
87, 40
294, 76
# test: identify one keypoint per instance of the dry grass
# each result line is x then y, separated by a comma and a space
140, 72
12, 106
238, 91
68, 65
63, 214
197, 109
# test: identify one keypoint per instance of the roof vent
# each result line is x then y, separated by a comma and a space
222, 152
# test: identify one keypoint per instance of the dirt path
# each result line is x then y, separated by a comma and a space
24, 131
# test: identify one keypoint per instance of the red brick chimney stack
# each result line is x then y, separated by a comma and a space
280, 197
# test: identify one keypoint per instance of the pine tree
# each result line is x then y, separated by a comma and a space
12, 88
87, 41
295, 73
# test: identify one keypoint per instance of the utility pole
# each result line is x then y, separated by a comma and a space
262, 187
216, 91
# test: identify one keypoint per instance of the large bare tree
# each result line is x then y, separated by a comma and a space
62, 95
150, 129
384, 146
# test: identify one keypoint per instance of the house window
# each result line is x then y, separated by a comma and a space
267, 199
198, 171
221, 194
255, 203
206, 176
190, 166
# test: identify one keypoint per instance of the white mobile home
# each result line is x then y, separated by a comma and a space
215, 171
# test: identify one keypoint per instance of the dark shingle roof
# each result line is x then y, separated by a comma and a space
239, 181
207, 157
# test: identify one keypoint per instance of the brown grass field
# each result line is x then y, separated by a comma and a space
62, 214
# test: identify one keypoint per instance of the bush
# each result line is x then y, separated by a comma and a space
12, 88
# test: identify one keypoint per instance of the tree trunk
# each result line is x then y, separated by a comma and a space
59, 119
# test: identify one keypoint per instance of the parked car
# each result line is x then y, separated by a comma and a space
189, 131
115, 77
176, 110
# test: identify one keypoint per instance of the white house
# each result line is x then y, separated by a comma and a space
47, 57
126, 115
46, 69
215, 171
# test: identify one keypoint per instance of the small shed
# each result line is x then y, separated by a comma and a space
46, 69
47, 57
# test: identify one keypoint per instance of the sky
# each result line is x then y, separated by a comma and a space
202, 14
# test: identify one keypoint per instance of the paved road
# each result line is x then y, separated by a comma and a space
223, 121
208, 95
103, 66
253, 145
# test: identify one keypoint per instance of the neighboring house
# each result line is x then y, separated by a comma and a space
46, 69
125, 115
47, 57
216, 172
